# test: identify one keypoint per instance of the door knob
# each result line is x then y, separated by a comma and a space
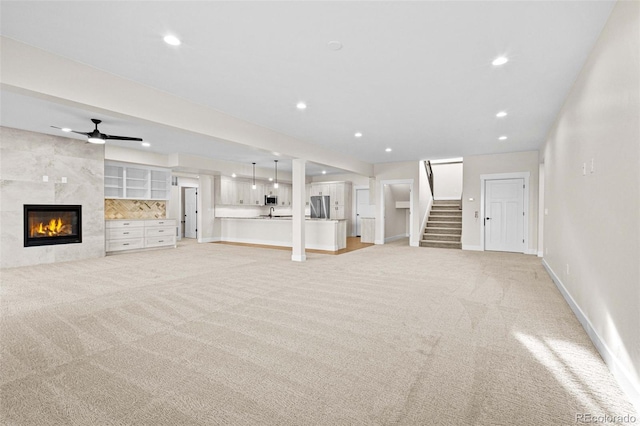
488, 218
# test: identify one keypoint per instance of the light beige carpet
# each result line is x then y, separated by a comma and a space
216, 334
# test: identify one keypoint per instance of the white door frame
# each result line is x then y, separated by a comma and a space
380, 210
497, 176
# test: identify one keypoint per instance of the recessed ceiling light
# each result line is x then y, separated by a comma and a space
501, 114
65, 129
334, 45
301, 105
270, 179
358, 135
324, 172
172, 40
233, 175
503, 138
388, 149
146, 144
500, 60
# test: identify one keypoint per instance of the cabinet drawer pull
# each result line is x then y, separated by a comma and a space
161, 241
125, 244
160, 230
125, 233
126, 224
160, 223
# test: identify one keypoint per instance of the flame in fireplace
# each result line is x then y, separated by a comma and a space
54, 228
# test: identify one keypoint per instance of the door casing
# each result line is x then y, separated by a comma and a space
498, 176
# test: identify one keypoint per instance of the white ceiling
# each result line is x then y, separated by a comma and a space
413, 76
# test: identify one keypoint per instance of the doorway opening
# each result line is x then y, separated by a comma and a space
396, 201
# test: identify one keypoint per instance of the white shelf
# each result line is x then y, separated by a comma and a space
137, 182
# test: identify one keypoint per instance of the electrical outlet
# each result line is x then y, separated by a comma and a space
584, 169
567, 269
63, 179
546, 251
593, 169
546, 212
45, 178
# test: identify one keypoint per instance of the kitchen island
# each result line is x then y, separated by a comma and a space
320, 234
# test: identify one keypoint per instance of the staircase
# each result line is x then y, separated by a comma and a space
444, 226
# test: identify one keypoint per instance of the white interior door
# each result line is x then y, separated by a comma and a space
504, 215
363, 208
190, 212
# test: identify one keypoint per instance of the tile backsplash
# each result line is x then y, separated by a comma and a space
134, 209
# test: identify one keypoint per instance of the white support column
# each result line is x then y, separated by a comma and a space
297, 209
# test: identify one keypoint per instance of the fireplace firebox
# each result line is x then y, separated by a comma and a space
46, 224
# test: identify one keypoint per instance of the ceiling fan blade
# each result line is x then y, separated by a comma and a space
71, 131
121, 138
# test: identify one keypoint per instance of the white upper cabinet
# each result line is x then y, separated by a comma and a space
136, 182
234, 192
284, 194
339, 197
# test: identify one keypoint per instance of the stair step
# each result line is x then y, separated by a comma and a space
446, 213
457, 202
440, 231
441, 237
441, 244
440, 224
446, 218
445, 207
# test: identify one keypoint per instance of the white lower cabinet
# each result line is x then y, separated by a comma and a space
124, 235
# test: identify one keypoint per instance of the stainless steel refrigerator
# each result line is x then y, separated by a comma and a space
319, 207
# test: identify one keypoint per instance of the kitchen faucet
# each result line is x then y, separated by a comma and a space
271, 210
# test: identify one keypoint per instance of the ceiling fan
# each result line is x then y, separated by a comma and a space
96, 137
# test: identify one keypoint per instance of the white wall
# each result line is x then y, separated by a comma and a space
447, 181
477, 165
426, 199
25, 157
593, 221
350, 177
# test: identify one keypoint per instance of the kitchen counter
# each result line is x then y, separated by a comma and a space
320, 234
280, 218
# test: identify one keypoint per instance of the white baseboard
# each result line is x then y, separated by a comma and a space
531, 251
209, 240
622, 375
379, 242
394, 238
414, 243
298, 258
540, 254
472, 248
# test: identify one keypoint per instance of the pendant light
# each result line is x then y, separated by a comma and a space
275, 182
254, 176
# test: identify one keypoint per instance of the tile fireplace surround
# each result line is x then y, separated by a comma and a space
32, 166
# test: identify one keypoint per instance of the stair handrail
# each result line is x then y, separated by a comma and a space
427, 165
